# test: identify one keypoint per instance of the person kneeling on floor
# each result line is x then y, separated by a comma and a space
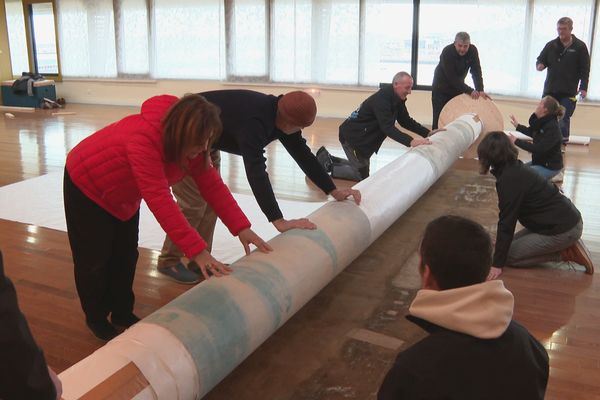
474, 349
552, 224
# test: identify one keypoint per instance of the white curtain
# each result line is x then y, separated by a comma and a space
387, 43
248, 39
86, 35
594, 85
189, 39
497, 30
315, 41
132, 37
17, 39
348, 42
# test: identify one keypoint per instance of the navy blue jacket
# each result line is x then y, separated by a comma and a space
450, 73
451, 365
248, 119
374, 120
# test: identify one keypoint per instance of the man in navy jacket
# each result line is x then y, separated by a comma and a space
456, 60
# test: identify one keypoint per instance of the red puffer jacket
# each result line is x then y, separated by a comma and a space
123, 163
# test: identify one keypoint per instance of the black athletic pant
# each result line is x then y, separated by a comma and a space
104, 252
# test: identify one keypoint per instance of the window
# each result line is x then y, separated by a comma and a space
189, 39
346, 42
132, 31
43, 38
543, 29
594, 85
86, 33
387, 40
248, 30
485, 22
17, 38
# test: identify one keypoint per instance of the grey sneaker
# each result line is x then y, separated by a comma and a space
181, 274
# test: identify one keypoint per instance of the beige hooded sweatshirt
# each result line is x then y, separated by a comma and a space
483, 310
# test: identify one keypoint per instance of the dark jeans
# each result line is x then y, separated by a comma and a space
104, 252
438, 101
565, 122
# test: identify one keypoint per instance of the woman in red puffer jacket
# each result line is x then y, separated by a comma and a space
110, 172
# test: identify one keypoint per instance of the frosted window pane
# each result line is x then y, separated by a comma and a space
189, 39
490, 25
248, 38
545, 15
17, 39
86, 32
594, 84
388, 40
291, 40
132, 37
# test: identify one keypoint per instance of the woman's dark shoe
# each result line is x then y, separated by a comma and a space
102, 329
124, 320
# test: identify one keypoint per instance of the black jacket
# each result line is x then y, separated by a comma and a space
450, 365
524, 196
566, 68
547, 138
23, 370
248, 119
374, 120
450, 73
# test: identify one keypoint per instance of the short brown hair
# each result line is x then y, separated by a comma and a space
565, 21
457, 250
495, 151
191, 121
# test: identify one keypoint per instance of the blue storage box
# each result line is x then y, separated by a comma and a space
41, 89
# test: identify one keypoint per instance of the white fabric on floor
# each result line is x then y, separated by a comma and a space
573, 139
39, 201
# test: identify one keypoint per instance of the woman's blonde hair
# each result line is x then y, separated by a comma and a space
191, 121
553, 106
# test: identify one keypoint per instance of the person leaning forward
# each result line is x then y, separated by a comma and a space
456, 60
251, 120
364, 131
110, 172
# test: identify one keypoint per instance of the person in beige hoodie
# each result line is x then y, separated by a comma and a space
474, 349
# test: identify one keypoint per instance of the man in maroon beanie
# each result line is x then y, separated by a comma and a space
251, 120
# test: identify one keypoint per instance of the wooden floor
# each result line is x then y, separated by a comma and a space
560, 307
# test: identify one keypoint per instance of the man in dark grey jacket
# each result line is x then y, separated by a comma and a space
456, 60
363, 132
568, 62
475, 350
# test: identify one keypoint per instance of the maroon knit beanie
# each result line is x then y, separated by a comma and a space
298, 108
